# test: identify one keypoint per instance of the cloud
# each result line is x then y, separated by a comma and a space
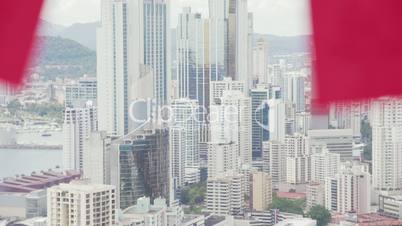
67, 12
280, 17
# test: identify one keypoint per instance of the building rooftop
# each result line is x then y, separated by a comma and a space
37, 181
291, 195
213, 220
370, 219
83, 186
297, 222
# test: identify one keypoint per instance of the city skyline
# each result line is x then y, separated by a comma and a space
284, 17
209, 124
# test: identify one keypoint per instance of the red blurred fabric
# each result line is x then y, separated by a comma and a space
358, 49
18, 22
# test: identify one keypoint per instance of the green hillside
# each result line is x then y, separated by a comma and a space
59, 57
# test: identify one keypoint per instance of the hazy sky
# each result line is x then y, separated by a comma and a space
280, 17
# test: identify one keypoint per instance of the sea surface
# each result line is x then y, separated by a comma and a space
25, 161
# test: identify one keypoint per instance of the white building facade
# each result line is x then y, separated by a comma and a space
81, 204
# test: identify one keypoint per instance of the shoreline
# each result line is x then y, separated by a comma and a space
32, 147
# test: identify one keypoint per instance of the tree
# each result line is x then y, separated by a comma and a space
193, 197
319, 213
193, 194
14, 106
287, 205
366, 132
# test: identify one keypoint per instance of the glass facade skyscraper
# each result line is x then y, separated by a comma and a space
156, 39
140, 166
133, 35
192, 76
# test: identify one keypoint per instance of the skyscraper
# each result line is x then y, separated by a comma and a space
346, 116
274, 161
324, 164
185, 137
261, 191
295, 91
140, 165
78, 123
192, 77
222, 158
112, 67
386, 119
259, 111
228, 38
156, 33
298, 166
132, 34
96, 158
277, 118
260, 62
348, 191
231, 122
225, 194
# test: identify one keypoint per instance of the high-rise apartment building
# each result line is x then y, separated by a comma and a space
184, 138
218, 88
324, 164
277, 118
6, 91
222, 157
295, 90
277, 76
386, 121
83, 90
231, 122
298, 166
132, 34
261, 191
345, 115
260, 62
81, 204
274, 161
302, 122
298, 169
96, 158
78, 124
348, 191
315, 194
225, 194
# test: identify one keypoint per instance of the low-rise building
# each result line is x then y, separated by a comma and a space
145, 214
391, 206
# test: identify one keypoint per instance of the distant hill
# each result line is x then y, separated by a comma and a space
83, 33
70, 51
48, 29
60, 57
283, 45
